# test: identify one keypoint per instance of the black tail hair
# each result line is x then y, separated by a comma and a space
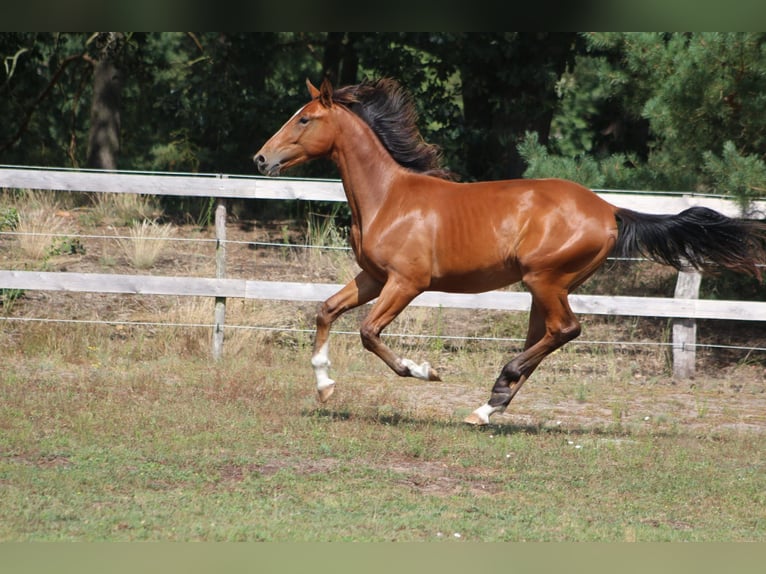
698, 237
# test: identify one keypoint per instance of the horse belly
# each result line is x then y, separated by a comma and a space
476, 280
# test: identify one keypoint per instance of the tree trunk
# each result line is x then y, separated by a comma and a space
104, 135
340, 62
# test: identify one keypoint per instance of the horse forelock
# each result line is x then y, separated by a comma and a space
390, 112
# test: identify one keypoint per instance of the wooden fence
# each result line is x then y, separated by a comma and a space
684, 308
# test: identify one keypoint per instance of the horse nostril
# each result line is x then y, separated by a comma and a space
259, 160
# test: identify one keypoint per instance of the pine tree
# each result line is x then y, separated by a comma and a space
676, 111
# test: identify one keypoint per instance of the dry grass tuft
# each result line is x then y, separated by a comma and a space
124, 208
146, 243
253, 328
331, 248
39, 221
191, 311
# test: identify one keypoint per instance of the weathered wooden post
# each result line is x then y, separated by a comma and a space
685, 330
220, 273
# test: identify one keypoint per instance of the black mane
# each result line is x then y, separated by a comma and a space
390, 111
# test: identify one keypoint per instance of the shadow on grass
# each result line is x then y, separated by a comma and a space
504, 429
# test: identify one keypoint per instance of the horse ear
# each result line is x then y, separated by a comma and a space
313, 92
325, 93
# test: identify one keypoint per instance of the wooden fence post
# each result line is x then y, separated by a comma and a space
220, 273
685, 330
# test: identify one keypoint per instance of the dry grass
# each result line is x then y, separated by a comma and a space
146, 243
124, 208
40, 220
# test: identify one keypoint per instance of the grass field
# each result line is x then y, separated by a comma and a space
121, 433
131, 441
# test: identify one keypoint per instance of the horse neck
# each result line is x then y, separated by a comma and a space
366, 168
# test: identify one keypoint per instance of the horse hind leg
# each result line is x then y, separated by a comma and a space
502, 394
551, 325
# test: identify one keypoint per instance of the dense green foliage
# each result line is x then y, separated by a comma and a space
666, 111
662, 111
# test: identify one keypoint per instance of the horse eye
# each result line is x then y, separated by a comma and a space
304, 120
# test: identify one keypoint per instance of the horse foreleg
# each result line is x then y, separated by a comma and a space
359, 291
551, 325
393, 299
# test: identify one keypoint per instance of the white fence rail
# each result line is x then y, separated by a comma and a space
685, 307
296, 291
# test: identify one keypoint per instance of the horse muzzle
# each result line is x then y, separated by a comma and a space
266, 167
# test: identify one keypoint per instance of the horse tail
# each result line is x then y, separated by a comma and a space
698, 237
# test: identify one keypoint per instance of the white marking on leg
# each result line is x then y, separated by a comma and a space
321, 363
486, 410
418, 371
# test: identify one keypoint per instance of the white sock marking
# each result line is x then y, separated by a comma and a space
487, 410
417, 371
321, 363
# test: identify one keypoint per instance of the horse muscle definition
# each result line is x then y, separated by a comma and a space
415, 229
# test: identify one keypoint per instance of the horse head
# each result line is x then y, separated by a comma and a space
307, 135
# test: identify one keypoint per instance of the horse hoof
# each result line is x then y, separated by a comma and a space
476, 420
325, 393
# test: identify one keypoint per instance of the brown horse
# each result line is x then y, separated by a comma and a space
414, 230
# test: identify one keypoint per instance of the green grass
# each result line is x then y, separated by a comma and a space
127, 440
